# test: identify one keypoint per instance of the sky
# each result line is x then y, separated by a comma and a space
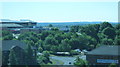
60, 11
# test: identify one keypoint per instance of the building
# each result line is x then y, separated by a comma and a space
10, 44
14, 28
17, 27
23, 22
10, 26
104, 55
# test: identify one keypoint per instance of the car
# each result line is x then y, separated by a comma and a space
85, 51
69, 62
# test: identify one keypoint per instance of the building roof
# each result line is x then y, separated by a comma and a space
106, 50
16, 21
8, 44
10, 25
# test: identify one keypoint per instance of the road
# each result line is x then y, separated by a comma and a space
67, 59
56, 62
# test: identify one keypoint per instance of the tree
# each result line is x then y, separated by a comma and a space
54, 48
74, 43
107, 41
74, 29
40, 49
47, 47
81, 63
59, 37
67, 35
64, 46
31, 60
46, 54
91, 30
118, 26
17, 56
44, 34
54, 29
7, 35
118, 32
30, 42
73, 52
110, 32
86, 42
50, 40
12, 58
42, 60
39, 43
105, 25
117, 40
113, 65
50, 25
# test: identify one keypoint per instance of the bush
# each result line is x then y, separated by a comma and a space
112, 65
72, 52
80, 62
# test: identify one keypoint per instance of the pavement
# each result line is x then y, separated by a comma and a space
66, 59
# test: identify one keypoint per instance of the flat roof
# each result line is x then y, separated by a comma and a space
10, 25
106, 50
16, 21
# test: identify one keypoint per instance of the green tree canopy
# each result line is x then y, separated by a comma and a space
81, 63
110, 32
54, 29
50, 40
17, 56
107, 41
113, 65
30, 55
118, 26
105, 25
91, 30
117, 40
64, 46
50, 25
7, 35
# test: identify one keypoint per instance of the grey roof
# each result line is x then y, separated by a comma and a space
106, 50
8, 44
21, 20
10, 25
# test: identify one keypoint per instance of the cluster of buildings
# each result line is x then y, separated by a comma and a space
20, 26
23, 25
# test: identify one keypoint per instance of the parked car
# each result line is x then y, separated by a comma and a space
85, 51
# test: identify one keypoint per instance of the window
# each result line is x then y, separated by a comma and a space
107, 61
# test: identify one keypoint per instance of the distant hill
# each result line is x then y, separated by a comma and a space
57, 24
61, 24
